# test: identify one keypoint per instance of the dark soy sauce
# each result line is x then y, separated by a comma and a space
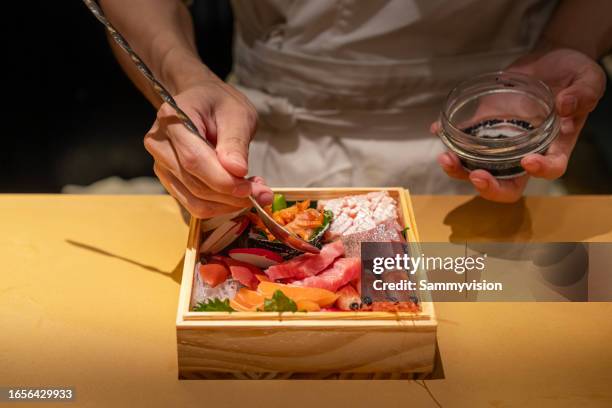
499, 128
492, 129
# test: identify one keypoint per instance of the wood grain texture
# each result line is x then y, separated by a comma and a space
320, 351
343, 345
191, 258
408, 209
218, 375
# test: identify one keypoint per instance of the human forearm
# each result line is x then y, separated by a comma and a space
161, 32
585, 26
206, 178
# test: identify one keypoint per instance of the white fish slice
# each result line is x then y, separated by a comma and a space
215, 222
216, 235
230, 236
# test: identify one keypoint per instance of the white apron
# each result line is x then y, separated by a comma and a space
346, 90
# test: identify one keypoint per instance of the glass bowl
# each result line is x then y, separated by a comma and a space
493, 120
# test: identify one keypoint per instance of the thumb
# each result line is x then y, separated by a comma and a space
233, 138
583, 93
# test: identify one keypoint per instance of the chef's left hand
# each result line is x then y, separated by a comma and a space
577, 83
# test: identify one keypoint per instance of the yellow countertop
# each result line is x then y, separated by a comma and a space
89, 287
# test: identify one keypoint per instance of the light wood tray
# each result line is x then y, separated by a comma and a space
252, 344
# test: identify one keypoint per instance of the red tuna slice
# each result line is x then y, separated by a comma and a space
307, 265
388, 231
343, 271
262, 258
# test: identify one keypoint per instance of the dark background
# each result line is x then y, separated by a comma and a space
76, 118
73, 117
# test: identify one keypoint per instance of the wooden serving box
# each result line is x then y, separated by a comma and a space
269, 345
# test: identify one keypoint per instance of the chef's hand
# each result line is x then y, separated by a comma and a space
206, 181
577, 83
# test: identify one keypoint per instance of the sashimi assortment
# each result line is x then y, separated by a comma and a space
243, 268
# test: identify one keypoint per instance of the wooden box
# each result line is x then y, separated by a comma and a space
346, 345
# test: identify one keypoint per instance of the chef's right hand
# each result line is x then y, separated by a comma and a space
206, 181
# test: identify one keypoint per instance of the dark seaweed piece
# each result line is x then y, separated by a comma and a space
256, 239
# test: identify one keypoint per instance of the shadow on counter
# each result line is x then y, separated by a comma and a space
175, 274
557, 270
482, 220
479, 220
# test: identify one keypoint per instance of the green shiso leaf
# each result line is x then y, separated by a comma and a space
213, 305
279, 303
327, 217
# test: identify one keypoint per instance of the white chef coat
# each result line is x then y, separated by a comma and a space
346, 90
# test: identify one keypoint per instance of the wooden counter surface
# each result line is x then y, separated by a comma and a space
89, 287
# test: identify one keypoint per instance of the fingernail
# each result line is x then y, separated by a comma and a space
532, 165
445, 161
480, 184
265, 197
568, 105
258, 180
237, 159
242, 190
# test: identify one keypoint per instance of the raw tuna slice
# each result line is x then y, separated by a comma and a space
388, 231
306, 265
343, 271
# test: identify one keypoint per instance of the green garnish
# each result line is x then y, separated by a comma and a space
279, 202
327, 217
405, 232
213, 305
279, 303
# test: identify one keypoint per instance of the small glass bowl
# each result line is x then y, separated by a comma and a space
493, 120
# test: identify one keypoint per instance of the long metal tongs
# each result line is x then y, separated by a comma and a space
281, 233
